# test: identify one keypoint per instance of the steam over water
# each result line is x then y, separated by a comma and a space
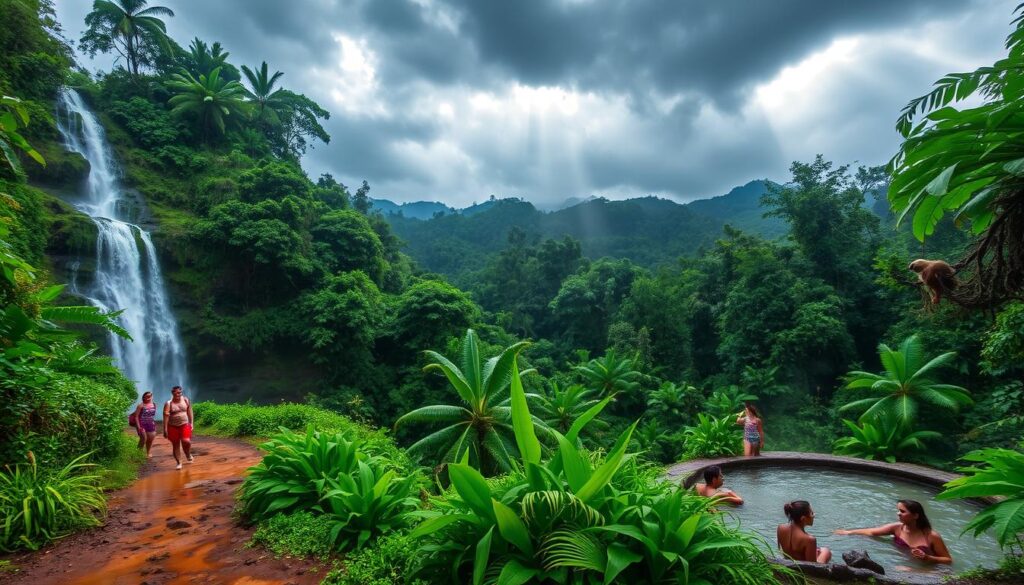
127, 272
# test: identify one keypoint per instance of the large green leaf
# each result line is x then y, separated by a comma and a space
522, 422
603, 474
473, 488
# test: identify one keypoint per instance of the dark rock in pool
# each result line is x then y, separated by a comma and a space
859, 559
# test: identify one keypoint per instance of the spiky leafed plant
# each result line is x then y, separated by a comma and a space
970, 161
126, 26
560, 408
481, 425
672, 404
728, 401
202, 58
906, 382
269, 99
212, 101
886, 438
610, 374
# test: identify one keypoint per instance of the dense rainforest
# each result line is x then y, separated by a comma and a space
649, 323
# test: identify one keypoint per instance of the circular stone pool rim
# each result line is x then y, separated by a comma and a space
688, 472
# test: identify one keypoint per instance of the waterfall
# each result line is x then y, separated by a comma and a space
127, 273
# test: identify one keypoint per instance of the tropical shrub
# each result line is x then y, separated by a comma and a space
578, 518
481, 426
328, 474
1000, 472
250, 420
885, 439
673, 404
390, 560
906, 383
561, 407
301, 534
728, 401
38, 505
712, 437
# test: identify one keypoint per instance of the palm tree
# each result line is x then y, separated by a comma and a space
561, 408
203, 59
262, 92
906, 382
610, 374
671, 403
210, 99
481, 425
126, 26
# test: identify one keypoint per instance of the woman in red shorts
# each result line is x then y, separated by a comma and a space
178, 425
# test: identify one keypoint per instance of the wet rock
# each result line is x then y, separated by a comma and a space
233, 481
860, 559
142, 526
178, 524
250, 561
200, 518
160, 557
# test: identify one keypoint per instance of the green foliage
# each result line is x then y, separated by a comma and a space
728, 401
12, 115
481, 426
577, 518
300, 534
885, 438
610, 375
390, 560
213, 102
559, 408
350, 242
1003, 349
997, 472
430, 312
128, 27
39, 505
907, 381
33, 57
344, 317
711, 437
330, 475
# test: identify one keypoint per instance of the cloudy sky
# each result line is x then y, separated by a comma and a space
456, 100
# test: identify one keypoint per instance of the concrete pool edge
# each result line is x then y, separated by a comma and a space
688, 472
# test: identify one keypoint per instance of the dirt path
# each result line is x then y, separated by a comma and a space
169, 526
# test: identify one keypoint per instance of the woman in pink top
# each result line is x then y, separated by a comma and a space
912, 533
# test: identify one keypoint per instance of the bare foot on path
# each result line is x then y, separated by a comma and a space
170, 526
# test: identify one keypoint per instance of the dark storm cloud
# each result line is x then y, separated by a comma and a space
629, 58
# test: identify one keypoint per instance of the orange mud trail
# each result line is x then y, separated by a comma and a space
169, 526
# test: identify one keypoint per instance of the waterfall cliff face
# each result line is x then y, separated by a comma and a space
127, 275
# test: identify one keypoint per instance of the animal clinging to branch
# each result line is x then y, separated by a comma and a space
937, 275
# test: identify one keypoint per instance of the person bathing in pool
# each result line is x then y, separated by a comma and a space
712, 487
913, 532
794, 540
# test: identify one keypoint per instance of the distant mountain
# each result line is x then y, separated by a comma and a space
570, 202
741, 208
415, 209
647, 230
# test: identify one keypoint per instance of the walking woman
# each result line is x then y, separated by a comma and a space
913, 533
753, 430
178, 425
145, 415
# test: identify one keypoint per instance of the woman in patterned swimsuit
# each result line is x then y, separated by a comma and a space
145, 414
753, 430
912, 533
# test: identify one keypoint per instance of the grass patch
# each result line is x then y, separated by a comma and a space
122, 468
301, 534
259, 422
390, 560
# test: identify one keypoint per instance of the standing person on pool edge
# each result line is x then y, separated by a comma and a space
753, 430
178, 425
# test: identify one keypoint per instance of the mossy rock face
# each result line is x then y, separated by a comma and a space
72, 233
63, 168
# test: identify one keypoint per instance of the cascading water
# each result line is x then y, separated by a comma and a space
127, 273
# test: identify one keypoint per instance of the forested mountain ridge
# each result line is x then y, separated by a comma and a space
647, 230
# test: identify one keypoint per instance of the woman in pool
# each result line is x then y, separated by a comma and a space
753, 430
913, 532
794, 540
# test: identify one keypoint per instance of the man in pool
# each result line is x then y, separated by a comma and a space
712, 487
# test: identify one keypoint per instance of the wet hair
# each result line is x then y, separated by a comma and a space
710, 473
797, 509
173, 388
915, 507
145, 393
750, 406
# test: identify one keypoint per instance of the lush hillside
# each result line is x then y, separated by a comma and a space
741, 208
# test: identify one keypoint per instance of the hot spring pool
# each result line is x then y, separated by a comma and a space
848, 499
